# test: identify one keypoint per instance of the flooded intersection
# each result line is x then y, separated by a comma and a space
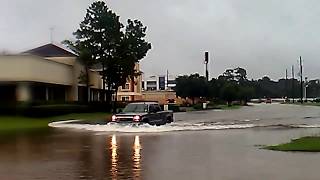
199, 145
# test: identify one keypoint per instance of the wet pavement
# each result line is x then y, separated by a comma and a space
199, 145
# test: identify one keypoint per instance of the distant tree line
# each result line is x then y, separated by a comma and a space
233, 85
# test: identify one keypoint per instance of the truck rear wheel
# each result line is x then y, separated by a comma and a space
147, 121
169, 120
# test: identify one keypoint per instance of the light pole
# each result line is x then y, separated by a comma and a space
301, 81
305, 89
292, 87
206, 61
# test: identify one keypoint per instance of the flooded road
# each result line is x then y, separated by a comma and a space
199, 145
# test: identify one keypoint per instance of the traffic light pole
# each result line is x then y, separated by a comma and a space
301, 82
206, 61
292, 84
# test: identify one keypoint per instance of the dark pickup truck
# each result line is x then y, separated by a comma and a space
143, 112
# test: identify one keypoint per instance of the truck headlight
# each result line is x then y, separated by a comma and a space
114, 118
136, 118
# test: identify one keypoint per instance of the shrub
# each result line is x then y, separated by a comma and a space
54, 110
198, 106
316, 100
174, 107
47, 109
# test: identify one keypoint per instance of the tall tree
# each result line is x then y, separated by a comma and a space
133, 47
229, 92
240, 75
101, 29
228, 75
193, 86
115, 48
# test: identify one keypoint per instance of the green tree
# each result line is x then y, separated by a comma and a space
229, 92
228, 75
114, 49
245, 93
215, 86
193, 86
101, 32
132, 48
240, 75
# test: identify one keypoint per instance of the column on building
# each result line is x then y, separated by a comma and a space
23, 92
73, 92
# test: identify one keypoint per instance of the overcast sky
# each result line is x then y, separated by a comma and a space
265, 37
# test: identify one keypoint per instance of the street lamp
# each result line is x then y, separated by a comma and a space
305, 88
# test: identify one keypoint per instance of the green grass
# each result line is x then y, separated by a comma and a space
20, 123
305, 144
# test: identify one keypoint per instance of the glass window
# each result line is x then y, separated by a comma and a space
125, 98
126, 86
154, 108
157, 108
151, 108
136, 108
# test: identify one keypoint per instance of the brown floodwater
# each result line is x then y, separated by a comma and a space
204, 150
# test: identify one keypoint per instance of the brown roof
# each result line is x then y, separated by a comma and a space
50, 50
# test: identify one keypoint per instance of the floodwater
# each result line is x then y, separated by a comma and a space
198, 145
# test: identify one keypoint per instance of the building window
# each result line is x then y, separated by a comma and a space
162, 83
151, 88
125, 98
151, 85
172, 82
126, 86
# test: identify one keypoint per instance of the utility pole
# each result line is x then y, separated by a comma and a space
206, 61
286, 84
301, 82
167, 79
305, 88
292, 88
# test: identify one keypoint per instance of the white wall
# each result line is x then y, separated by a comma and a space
36, 69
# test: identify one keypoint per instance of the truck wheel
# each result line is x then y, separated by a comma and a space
147, 121
169, 120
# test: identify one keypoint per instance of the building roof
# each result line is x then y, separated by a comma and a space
50, 50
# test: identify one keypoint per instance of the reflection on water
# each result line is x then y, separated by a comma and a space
136, 158
114, 157
118, 159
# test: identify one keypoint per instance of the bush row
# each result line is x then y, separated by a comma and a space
51, 109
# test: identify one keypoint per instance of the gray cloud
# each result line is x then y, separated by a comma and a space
265, 37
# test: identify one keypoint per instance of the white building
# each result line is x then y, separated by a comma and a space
46, 73
158, 83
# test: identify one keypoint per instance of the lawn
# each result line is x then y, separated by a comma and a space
20, 123
305, 144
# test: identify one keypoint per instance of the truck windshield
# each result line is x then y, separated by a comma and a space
136, 108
